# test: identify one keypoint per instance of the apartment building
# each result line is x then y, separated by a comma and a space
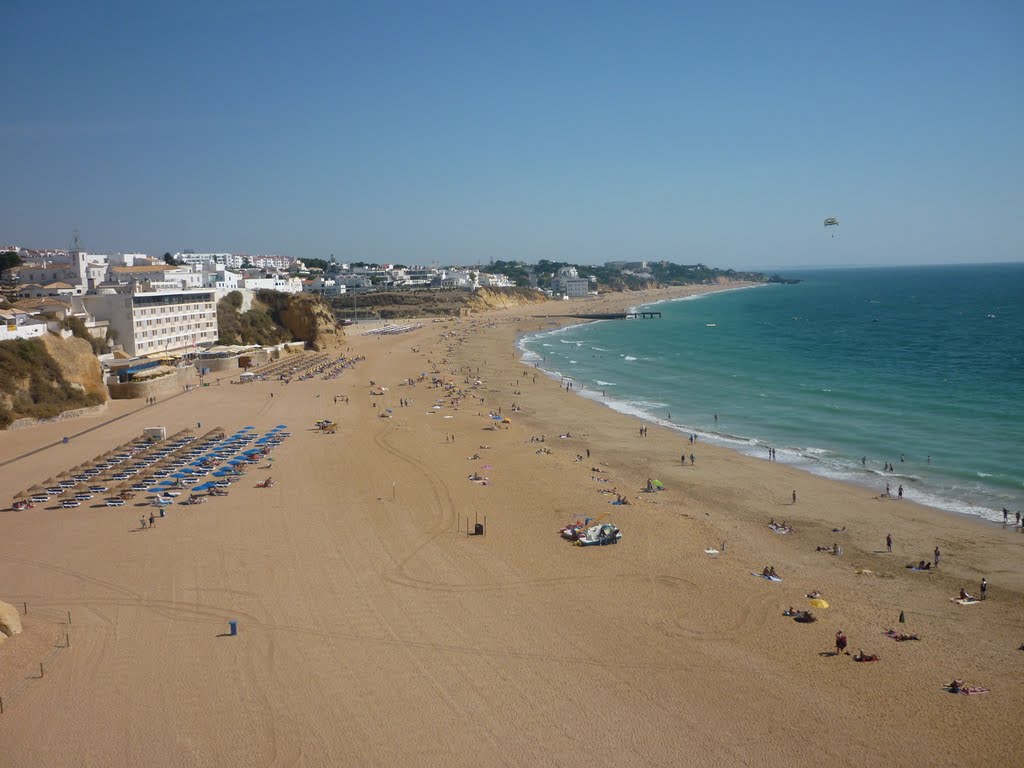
157, 322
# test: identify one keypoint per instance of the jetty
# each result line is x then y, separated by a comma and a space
610, 315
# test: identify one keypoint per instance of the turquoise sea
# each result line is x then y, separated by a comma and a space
920, 367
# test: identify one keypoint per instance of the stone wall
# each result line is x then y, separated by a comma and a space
76, 413
161, 387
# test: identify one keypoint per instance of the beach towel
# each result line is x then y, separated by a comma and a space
711, 552
958, 601
970, 690
766, 578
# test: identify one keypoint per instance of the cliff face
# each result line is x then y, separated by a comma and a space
389, 305
305, 316
78, 363
41, 378
500, 298
310, 319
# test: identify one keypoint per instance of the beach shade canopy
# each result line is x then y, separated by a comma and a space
819, 603
250, 451
204, 487
506, 421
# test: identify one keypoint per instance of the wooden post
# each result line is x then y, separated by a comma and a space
40, 669
1, 705
26, 608
69, 618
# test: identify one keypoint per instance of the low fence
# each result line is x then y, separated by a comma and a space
60, 625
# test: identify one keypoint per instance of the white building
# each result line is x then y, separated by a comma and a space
81, 271
277, 283
129, 259
199, 259
156, 322
489, 280
222, 280
324, 285
271, 261
18, 324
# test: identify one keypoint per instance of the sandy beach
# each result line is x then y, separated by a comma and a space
373, 631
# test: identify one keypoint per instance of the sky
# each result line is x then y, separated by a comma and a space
461, 132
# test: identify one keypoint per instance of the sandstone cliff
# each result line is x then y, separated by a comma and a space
41, 378
309, 318
501, 298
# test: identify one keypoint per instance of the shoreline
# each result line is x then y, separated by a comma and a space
847, 473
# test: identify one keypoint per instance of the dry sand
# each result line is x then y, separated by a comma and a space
373, 631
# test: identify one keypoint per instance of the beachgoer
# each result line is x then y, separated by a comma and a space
899, 491
772, 573
151, 519
840, 642
964, 595
937, 555
794, 497
693, 459
861, 656
984, 588
682, 459
766, 572
888, 542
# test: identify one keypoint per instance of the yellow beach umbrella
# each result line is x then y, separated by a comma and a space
819, 603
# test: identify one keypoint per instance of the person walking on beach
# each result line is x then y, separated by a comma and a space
840, 642
937, 555
693, 459
152, 520
682, 459
899, 492
888, 542
984, 588
794, 497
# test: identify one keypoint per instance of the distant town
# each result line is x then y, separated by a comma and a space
140, 305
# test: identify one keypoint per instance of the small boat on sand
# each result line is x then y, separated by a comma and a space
599, 535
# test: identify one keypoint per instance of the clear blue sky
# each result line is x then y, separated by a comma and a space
461, 131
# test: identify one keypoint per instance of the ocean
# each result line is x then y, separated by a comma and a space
850, 369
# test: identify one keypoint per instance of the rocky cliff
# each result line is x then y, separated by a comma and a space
500, 298
308, 318
430, 303
41, 378
276, 317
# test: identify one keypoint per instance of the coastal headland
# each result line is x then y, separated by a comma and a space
372, 630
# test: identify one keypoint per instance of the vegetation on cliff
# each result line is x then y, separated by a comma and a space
33, 383
274, 318
389, 305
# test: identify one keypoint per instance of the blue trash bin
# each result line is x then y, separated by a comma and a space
234, 627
